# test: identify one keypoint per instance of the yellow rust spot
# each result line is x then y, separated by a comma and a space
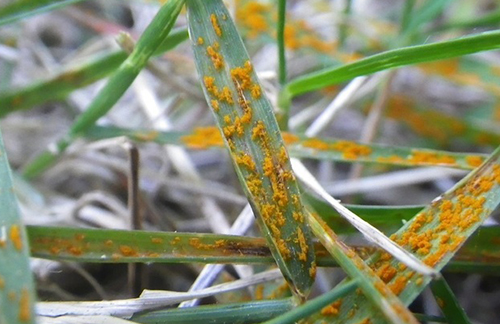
146, 136
474, 160
24, 306
15, 236
201, 41
304, 248
175, 240
75, 250
332, 309
351, 150
203, 137
215, 105
79, 237
259, 292
312, 270
419, 157
289, 138
215, 56
316, 144
2, 283
256, 91
127, 251
215, 25
440, 302
108, 243
156, 240
246, 161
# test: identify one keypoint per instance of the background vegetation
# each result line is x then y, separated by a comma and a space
137, 132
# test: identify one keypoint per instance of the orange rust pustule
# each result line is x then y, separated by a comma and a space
24, 306
15, 237
215, 25
332, 309
203, 138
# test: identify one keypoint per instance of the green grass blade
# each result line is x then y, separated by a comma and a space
59, 86
119, 82
448, 303
435, 234
314, 305
281, 41
372, 286
17, 295
241, 313
13, 10
304, 147
119, 246
246, 119
392, 59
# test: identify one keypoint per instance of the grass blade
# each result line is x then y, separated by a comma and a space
119, 246
245, 117
16, 282
250, 312
448, 303
300, 146
17, 9
391, 59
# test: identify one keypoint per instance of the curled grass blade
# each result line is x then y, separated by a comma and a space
16, 282
60, 85
118, 83
11, 11
391, 59
245, 118
434, 235
300, 146
448, 303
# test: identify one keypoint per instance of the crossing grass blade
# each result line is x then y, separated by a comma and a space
17, 297
59, 86
391, 59
434, 235
245, 118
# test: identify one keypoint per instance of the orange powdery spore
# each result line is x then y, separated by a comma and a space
108, 243
201, 41
387, 272
215, 56
332, 309
226, 96
421, 157
446, 68
24, 306
243, 76
246, 161
15, 237
474, 160
259, 292
75, 250
127, 251
289, 138
304, 247
203, 138
398, 285
253, 17
210, 86
215, 105
215, 25
255, 91
351, 150
316, 144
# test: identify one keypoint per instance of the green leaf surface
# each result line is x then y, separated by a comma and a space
17, 297
392, 59
245, 117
